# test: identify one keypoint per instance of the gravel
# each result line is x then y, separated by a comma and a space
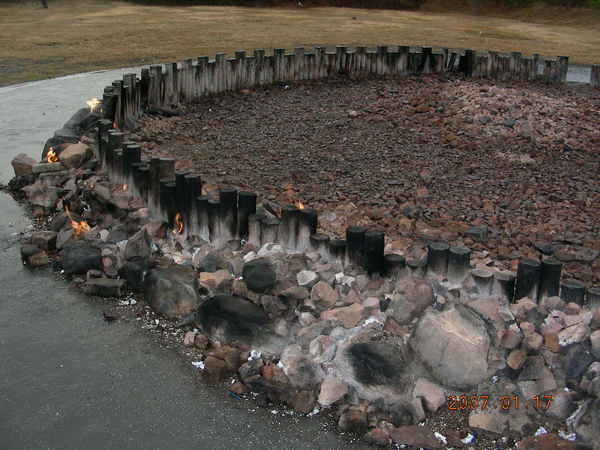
421, 158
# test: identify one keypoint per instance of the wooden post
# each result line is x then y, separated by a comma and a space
340, 59
250, 63
321, 67
515, 65
219, 76
202, 75
299, 63
404, 51
259, 62
361, 57
242, 77
481, 65
563, 62
381, 60
466, 63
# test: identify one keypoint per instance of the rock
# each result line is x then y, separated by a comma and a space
238, 388
322, 349
595, 341
432, 394
104, 287
281, 328
511, 337
215, 281
297, 367
231, 356
171, 291
230, 318
378, 437
304, 401
440, 336
533, 341
353, 420
573, 335
415, 436
295, 293
375, 363
23, 164
251, 369
33, 256
210, 262
332, 390
516, 359
139, 246
134, 272
273, 305
490, 419
307, 278
75, 155
45, 240
259, 275
547, 441
576, 361
562, 404
323, 295
215, 370
40, 195
189, 338
47, 167
351, 315
79, 256
201, 342
412, 297
64, 237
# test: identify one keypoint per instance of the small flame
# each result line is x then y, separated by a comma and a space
299, 205
93, 104
115, 125
125, 187
78, 227
51, 156
178, 224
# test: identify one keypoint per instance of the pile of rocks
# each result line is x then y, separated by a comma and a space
296, 328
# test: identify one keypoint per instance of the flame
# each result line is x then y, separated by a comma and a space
178, 224
51, 156
78, 227
299, 204
115, 125
93, 104
125, 187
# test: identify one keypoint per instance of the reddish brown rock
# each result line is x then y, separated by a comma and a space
546, 442
416, 436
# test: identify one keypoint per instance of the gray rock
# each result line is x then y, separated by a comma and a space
440, 336
46, 240
139, 247
272, 305
104, 287
23, 164
259, 275
332, 390
307, 278
171, 291
412, 297
134, 272
298, 368
79, 256
47, 167
75, 155
323, 296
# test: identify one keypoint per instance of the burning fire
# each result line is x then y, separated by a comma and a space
178, 224
125, 187
51, 156
299, 204
93, 104
78, 227
115, 125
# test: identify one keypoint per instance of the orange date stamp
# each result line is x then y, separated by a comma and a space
503, 402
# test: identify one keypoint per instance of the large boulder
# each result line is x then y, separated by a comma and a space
75, 155
454, 345
229, 318
139, 247
79, 256
259, 274
23, 164
171, 291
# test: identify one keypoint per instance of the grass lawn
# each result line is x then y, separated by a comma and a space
81, 35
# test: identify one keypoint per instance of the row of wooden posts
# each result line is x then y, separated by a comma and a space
168, 85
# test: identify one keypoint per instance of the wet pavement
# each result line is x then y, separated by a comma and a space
69, 380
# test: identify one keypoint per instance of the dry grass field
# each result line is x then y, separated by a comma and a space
82, 35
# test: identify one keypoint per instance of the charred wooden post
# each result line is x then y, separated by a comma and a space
481, 65
484, 281
279, 61
572, 291
515, 65
144, 88
593, 297
132, 154
536, 66
374, 248
466, 63
549, 278
167, 201
242, 79
415, 60
229, 213
381, 52
426, 60
288, 233
337, 251
403, 59
394, 265
202, 217
140, 172
160, 168
595, 76
320, 243
269, 230
180, 191
308, 222
563, 63
246, 208
391, 61
254, 230
104, 126
321, 67
115, 140
193, 189
492, 69
528, 279
214, 222
437, 259
355, 237
504, 285
459, 264
438, 61
202, 75
118, 166
259, 63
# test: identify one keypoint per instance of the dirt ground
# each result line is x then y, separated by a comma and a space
73, 36
423, 158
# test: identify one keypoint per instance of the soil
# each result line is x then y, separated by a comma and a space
423, 158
